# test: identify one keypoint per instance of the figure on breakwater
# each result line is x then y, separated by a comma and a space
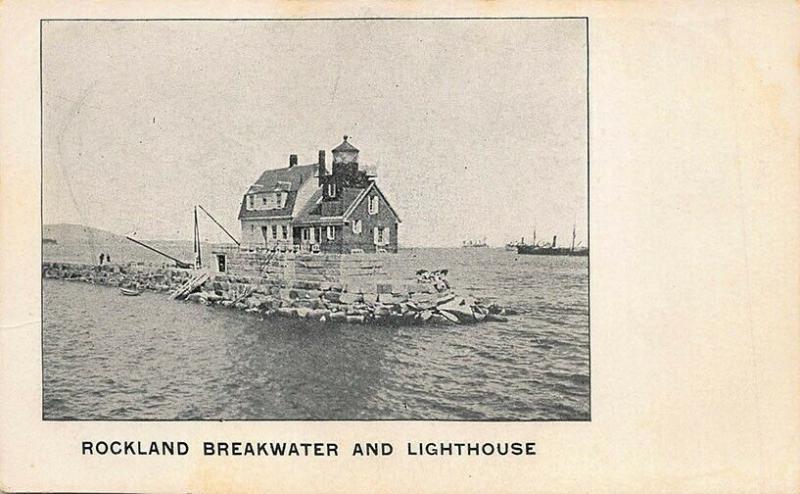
286, 287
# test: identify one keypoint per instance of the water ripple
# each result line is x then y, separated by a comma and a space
113, 357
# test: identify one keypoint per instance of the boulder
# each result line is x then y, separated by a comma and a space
286, 312
350, 298
449, 316
338, 316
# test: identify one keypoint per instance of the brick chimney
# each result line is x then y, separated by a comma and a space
321, 166
292, 160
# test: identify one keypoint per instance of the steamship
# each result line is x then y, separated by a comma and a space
552, 249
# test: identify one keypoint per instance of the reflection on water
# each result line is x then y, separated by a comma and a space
112, 357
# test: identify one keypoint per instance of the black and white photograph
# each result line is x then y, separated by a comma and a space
315, 219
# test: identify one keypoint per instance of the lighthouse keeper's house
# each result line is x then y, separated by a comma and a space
305, 208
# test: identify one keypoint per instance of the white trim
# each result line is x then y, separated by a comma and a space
256, 218
357, 201
349, 211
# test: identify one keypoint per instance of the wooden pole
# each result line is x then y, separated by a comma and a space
198, 262
218, 224
181, 264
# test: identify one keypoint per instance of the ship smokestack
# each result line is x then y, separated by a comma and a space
292, 160
554, 241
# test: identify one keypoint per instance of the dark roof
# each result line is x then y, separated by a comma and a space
311, 210
272, 179
311, 213
286, 179
344, 146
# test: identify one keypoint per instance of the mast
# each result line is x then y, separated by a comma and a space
573, 237
198, 263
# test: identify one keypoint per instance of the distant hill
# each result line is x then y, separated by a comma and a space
66, 234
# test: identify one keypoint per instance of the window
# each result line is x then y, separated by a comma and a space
331, 190
304, 234
381, 235
357, 227
264, 232
331, 231
249, 202
275, 232
372, 206
252, 228
221, 263
282, 199
285, 231
264, 200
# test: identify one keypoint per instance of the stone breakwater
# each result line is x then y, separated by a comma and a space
152, 278
321, 299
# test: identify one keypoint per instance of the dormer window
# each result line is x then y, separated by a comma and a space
331, 190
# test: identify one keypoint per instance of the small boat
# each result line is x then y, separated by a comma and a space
131, 292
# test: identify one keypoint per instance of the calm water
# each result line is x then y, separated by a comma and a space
107, 356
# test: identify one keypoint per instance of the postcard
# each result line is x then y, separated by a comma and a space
380, 247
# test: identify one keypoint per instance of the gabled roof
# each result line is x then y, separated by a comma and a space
311, 213
364, 193
287, 180
351, 198
280, 177
344, 146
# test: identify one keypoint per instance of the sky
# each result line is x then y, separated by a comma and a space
476, 128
